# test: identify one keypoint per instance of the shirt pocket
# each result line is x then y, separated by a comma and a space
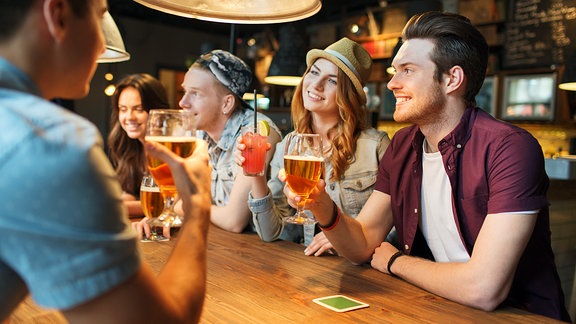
355, 192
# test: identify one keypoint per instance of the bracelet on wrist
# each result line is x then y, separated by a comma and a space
391, 261
333, 222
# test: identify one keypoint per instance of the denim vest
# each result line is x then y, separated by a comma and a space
349, 193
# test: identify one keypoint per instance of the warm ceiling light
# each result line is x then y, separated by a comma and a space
115, 50
238, 11
569, 86
568, 81
109, 90
284, 80
250, 96
289, 62
390, 69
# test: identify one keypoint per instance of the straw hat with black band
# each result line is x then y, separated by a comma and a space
351, 58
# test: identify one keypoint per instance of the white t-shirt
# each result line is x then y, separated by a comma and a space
438, 224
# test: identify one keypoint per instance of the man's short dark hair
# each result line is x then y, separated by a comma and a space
456, 42
13, 13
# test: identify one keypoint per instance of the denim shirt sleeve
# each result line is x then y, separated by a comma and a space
268, 212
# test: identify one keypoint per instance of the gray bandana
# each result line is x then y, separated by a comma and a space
230, 70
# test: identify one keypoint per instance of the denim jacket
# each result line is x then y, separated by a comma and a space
349, 193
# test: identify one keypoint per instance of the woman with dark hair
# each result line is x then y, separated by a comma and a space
135, 95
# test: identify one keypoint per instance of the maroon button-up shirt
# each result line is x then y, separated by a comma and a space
493, 167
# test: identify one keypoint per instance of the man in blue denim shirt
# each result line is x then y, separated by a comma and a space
214, 86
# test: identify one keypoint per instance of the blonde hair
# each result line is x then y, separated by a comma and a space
345, 133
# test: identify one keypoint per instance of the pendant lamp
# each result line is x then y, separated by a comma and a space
289, 61
569, 77
115, 50
238, 11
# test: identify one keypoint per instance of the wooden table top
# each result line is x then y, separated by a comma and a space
250, 281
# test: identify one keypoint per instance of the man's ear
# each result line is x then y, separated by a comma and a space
54, 12
454, 78
229, 103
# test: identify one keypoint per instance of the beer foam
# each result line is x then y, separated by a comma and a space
304, 158
172, 139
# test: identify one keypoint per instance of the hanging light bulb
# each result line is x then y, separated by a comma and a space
109, 90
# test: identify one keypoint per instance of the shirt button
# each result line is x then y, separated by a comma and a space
332, 186
358, 183
459, 145
406, 247
230, 174
415, 210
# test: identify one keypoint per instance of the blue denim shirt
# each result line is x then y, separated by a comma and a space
221, 154
65, 231
349, 193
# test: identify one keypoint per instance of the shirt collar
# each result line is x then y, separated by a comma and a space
459, 135
231, 130
11, 77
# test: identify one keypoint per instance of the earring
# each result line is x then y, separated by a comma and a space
225, 112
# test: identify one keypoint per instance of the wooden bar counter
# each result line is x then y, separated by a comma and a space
250, 281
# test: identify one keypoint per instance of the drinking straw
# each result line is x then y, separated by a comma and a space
255, 112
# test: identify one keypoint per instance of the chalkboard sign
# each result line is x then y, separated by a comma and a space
540, 33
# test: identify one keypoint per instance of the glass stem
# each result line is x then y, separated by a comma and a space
169, 203
301, 205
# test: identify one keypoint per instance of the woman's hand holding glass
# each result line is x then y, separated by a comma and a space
303, 167
318, 201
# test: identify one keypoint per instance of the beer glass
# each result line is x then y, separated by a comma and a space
175, 129
152, 206
303, 164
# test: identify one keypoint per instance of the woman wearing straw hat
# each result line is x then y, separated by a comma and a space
330, 101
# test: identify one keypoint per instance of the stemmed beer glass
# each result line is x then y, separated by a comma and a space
303, 164
175, 129
152, 206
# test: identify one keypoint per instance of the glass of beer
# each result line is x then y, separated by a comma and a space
175, 129
303, 164
152, 206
